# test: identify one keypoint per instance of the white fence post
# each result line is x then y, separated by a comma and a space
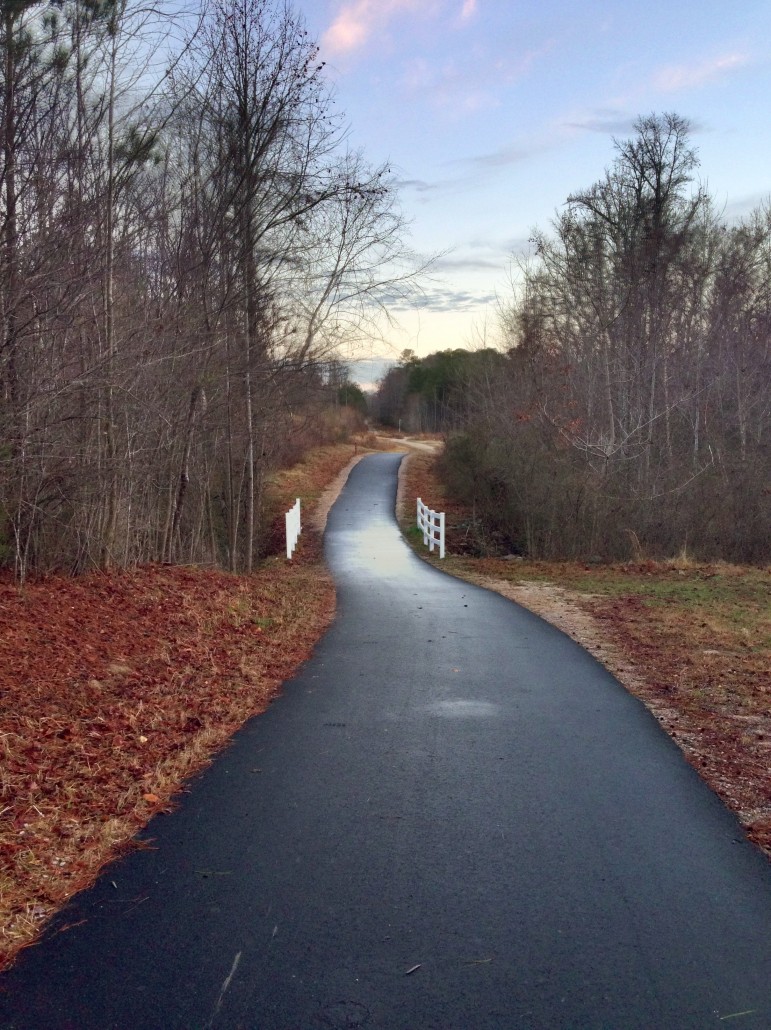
432, 525
293, 527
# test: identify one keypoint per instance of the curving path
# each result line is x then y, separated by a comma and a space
453, 818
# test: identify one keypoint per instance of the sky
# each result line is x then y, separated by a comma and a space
491, 112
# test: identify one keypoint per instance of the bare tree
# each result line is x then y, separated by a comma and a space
638, 371
183, 236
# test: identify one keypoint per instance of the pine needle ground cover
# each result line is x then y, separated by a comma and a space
116, 687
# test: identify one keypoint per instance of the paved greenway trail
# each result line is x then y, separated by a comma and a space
453, 818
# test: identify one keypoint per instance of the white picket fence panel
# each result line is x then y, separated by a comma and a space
293, 527
432, 525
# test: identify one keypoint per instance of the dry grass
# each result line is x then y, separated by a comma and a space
693, 641
116, 687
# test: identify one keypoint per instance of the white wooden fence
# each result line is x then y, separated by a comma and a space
293, 527
432, 525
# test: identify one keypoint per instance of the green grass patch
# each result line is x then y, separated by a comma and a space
734, 599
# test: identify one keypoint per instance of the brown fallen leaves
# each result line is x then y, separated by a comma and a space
113, 689
707, 675
116, 687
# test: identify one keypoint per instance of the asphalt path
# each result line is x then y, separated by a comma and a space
452, 818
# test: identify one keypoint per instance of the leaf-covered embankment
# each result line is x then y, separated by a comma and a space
115, 687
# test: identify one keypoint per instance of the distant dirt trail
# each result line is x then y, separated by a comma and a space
428, 446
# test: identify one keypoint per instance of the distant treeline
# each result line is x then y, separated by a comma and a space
628, 411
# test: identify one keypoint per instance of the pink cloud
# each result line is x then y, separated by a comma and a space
469, 9
689, 76
357, 21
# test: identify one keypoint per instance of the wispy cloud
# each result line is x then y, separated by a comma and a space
448, 299
442, 297
467, 264
677, 77
500, 249
468, 10
359, 21
418, 185
368, 371
502, 158
604, 121
491, 254
452, 86
465, 174
356, 22
469, 80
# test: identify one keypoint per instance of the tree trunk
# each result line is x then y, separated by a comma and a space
111, 456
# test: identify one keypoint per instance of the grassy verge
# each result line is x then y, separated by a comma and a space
117, 687
693, 641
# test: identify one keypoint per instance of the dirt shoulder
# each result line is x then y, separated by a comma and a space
692, 641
